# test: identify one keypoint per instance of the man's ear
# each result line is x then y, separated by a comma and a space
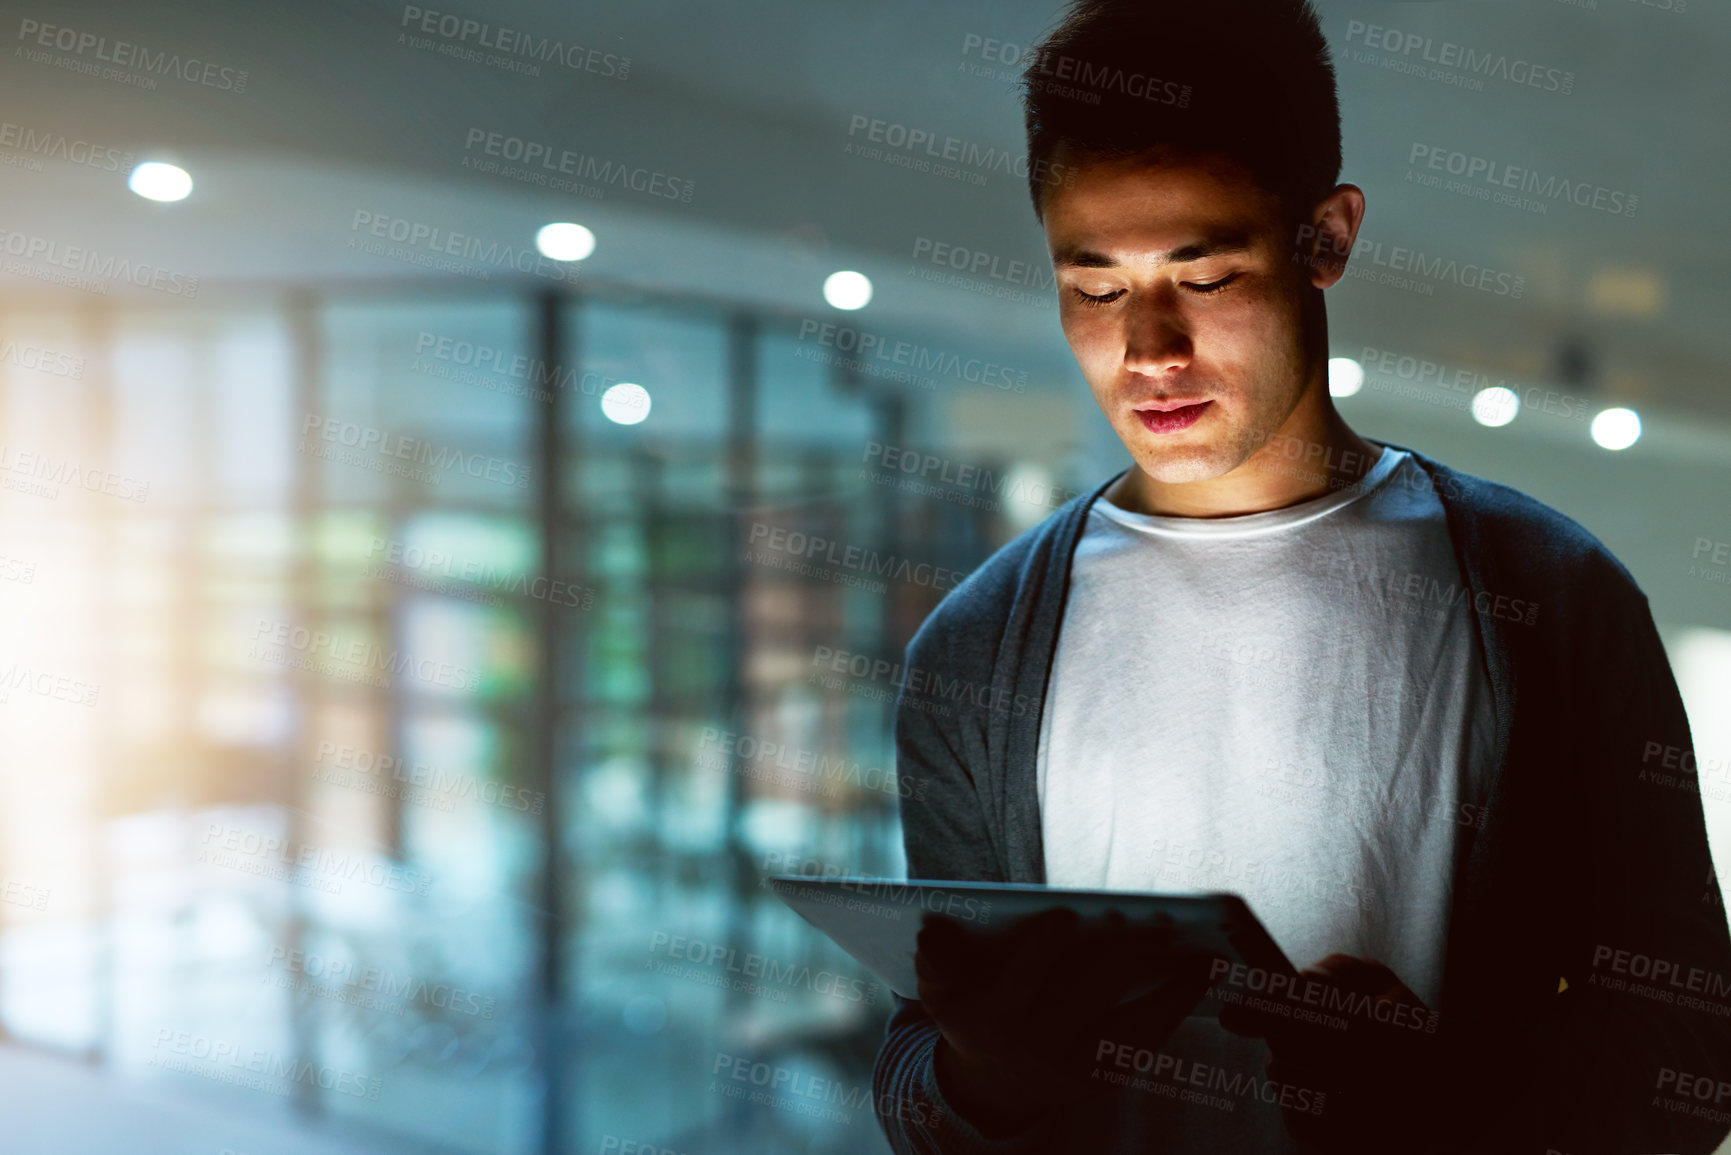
1325, 241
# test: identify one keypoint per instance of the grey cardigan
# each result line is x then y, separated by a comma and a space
1591, 843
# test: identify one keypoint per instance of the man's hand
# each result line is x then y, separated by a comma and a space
1380, 1073
1022, 1012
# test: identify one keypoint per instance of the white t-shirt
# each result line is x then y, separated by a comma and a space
1290, 705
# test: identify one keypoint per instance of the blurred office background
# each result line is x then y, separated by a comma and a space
412, 652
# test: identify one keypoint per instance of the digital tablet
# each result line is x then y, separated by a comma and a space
877, 921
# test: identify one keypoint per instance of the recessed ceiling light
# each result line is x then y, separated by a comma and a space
1495, 406
157, 181
847, 290
1616, 428
625, 403
1345, 376
564, 241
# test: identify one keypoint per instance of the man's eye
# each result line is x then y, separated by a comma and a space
1091, 299
1211, 286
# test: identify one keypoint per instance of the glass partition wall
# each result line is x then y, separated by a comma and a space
406, 724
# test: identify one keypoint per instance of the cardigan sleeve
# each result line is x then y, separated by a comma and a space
1634, 1059
947, 837
1629, 1048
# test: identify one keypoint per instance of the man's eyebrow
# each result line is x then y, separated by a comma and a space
1079, 258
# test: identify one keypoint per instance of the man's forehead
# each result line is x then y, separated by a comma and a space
1161, 165
1159, 208
1098, 254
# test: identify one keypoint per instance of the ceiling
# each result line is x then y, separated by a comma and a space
751, 103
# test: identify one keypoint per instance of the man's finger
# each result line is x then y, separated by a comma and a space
1248, 1021
1151, 1019
941, 948
1361, 976
1114, 963
1031, 950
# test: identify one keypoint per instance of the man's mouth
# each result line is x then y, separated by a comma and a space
1171, 416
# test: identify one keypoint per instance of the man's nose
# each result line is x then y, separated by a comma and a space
1156, 340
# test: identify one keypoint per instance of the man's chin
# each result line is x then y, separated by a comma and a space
1180, 464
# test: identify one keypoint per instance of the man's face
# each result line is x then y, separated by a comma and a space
1180, 299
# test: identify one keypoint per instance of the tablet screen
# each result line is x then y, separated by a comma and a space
877, 920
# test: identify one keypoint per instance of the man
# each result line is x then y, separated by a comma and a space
1409, 714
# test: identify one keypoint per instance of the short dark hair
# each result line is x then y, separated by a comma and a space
1248, 80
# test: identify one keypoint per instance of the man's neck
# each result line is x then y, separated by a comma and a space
1312, 455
